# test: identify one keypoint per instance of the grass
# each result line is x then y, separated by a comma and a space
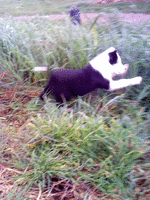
27, 7
97, 151
42, 43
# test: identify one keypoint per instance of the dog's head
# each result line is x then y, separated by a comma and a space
109, 63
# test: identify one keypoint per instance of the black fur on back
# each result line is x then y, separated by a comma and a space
68, 83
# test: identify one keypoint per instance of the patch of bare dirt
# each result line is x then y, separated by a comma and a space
85, 17
114, 1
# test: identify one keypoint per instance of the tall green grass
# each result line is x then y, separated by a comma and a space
102, 141
37, 41
97, 149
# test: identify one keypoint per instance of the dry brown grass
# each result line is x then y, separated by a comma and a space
61, 189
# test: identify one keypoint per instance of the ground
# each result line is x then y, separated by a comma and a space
130, 17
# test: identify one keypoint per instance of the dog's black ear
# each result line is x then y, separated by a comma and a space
113, 57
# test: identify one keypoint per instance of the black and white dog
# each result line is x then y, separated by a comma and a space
67, 83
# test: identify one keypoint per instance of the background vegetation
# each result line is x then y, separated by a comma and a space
46, 7
98, 150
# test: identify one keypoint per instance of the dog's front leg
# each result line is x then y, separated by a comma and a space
122, 83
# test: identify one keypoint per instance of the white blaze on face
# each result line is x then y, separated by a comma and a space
101, 63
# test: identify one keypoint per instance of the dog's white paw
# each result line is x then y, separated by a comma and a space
137, 80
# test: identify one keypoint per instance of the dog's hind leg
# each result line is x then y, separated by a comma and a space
46, 90
41, 95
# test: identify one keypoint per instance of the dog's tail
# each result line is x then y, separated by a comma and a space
40, 69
